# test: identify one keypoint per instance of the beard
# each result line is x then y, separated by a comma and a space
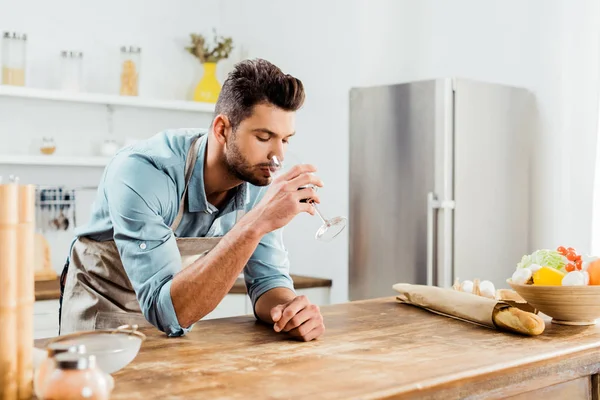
239, 166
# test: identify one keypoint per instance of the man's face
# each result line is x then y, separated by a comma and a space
258, 138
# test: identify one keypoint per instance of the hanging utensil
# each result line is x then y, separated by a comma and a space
65, 203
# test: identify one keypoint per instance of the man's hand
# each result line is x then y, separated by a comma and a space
287, 197
299, 318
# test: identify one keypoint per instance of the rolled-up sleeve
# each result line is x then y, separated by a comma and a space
268, 267
139, 196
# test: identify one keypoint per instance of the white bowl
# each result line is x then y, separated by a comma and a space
113, 349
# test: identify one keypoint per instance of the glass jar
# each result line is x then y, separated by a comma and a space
109, 148
47, 146
13, 58
71, 71
44, 371
130, 70
76, 377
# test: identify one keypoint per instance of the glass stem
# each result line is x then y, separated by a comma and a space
319, 214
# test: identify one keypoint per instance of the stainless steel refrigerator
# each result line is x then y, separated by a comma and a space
439, 183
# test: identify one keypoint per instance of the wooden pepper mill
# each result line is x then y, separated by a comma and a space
17, 281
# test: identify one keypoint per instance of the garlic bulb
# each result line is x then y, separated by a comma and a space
487, 289
574, 278
521, 276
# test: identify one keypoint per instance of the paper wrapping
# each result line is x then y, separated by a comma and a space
451, 303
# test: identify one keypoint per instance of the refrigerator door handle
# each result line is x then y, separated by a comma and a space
432, 205
448, 207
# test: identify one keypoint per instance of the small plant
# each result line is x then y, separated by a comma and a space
210, 54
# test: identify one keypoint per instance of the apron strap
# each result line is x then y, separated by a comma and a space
190, 163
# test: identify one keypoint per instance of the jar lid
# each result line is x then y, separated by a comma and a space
56, 348
131, 49
15, 35
75, 361
71, 54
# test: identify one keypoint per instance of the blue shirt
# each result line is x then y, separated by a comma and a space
138, 199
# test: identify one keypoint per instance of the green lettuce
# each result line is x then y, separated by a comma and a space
545, 258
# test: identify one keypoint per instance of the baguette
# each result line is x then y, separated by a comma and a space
515, 320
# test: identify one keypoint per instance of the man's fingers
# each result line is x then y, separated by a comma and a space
276, 312
307, 207
309, 330
303, 180
306, 314
309, 194
290, 310
297, 170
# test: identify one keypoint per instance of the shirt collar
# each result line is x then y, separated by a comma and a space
197, 194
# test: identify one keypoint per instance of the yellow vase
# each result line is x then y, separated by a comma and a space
208, 89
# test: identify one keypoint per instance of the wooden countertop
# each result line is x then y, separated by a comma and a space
47, 290
50, 290
376, 349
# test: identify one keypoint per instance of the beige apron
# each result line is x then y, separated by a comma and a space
98, 293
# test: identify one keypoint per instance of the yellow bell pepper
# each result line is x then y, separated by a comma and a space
548, 276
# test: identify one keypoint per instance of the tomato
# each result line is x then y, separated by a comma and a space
561, 250
571, 256
570, 267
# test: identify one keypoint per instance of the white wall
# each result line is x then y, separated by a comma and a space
547, 46
267, 29
161, 29
98, 29
315, 41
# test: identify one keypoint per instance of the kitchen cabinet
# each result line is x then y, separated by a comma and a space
45, 319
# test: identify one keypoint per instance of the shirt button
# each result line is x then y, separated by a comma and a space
143, 246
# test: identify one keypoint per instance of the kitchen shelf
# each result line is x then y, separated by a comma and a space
105, 99
53, 160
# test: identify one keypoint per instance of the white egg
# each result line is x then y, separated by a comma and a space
574, 278
487, 289
534, 267
521, 276
586, 277
467, 286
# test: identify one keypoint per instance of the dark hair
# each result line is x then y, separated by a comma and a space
255, 82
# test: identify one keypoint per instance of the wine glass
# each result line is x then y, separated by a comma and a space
331, 227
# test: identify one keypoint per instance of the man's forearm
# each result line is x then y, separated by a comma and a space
199, 288
270, 299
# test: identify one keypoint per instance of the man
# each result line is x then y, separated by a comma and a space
178, 217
